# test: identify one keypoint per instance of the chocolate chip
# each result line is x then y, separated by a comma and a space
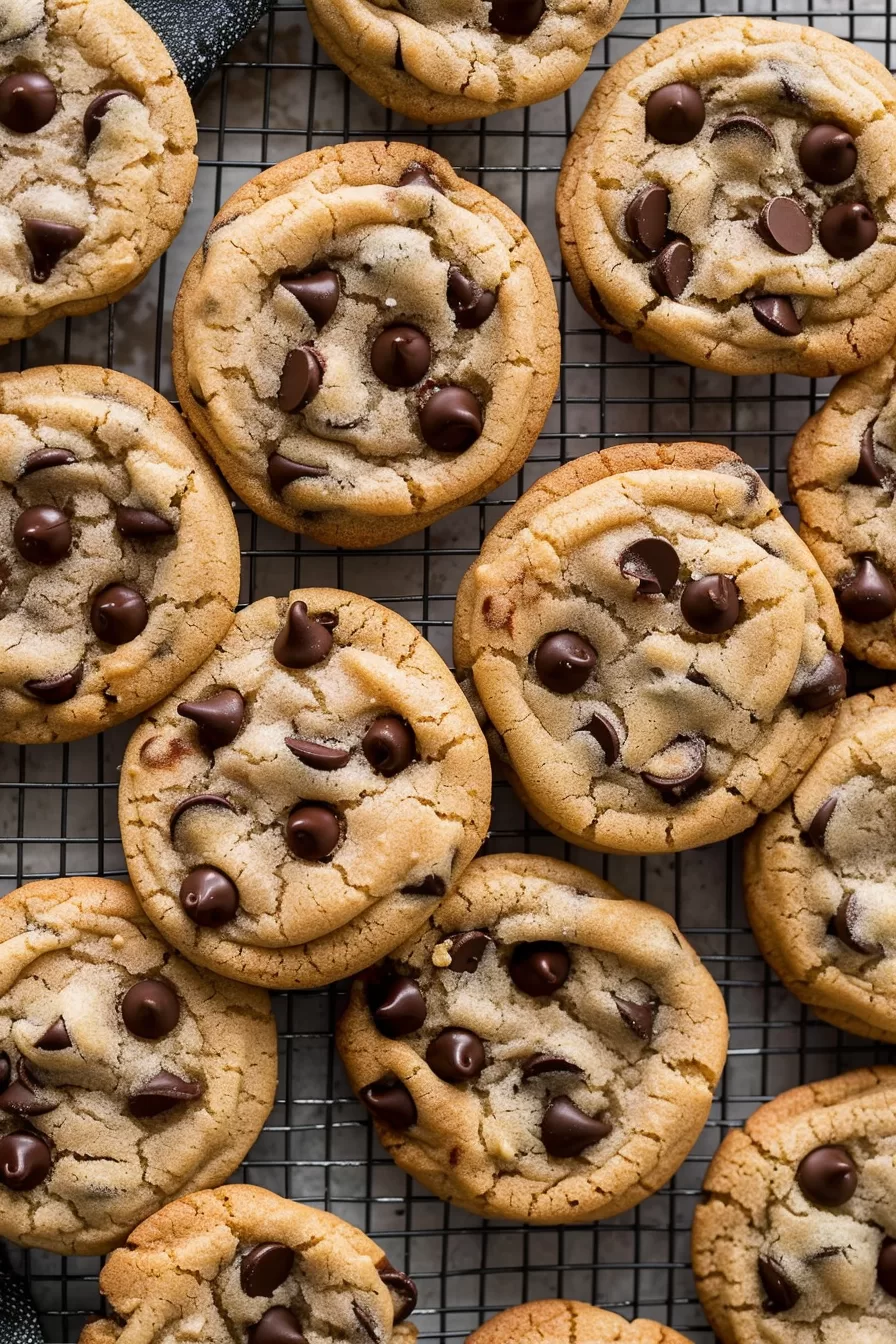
97, 109
300, 380
19, 1098
847, 230
5, 1069
869, 595
400, 356
536, 1066
265, 1268
606, 737
653, 562
828, 1176
638, 1017
400, 1007
431, 885
56, 690
366, 1321
741, 123
867, 470
711, 604
199, 800
48, 242
566, 1131
819, 823
318, 293
781, 1293
390, 1102
564, 661
317, 755
302, 641
539, 968
456, 1055
55, 1037
277, 1326
282, 471
468, 949
828, 154
450, 420
219, 718
141, 523
673, 268
825, 684
785, 226
415, 175
389, 745
27, 101
677, 771
516, 18
42, 535
24, 1161
208, 897
844, 928
470, 303
162, 1093
42, 458
118, 614
675, 114
646, 219
886, 1266
777, 314
402, 1288
312, 831
150, 1009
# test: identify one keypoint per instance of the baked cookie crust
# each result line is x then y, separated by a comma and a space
563, 1322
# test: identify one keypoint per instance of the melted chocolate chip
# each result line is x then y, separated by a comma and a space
564, 661
785, 226
312, 831
366, 1321
456, 1055
42, 458
199, 800
118, 614
282, 471
141, 523
265, 1268
208, 897
819, 823
97, 109
646, 219
567, 1131
468, 949
55, 1037
431, 885
886, 1266
219, 718
27, 101
781, 1294
828, 154
606, 737
151, 1009
536, 1066
5, 1069
678, 770
825, 684
400, 1008
869, 595
389, 745
673, 268
19, 1097
161, 1094
828, 1176
777, 314
470, 304
300, 380
450, 420
317, 755
741, 123
402, 1288
390, 1102
318, 293
847, 230
844, 928
638, 1017
675, 114
711, 604
48, 242
56, 690
867, 470
277, 1326
42, 534
25, 1161
415, 175
516, 18
539, 968
653, 563
400, 356
303, 641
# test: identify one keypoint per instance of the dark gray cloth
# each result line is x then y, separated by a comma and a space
18, 1319
199, 34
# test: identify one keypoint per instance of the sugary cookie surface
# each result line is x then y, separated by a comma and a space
127, 1077
112, 530
96, 157
730, 199
565, 1322
795, 1242
543, 1050
304, 800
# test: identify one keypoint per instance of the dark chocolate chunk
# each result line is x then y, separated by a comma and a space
867, 596
468, 949
27, 101
606, 737
400, 356
265, 1268
389, 745
42, 534
828, 154
19, 1096
868, 471
97, 109
208, 897
536, 1066
219, 718
282, 471
777, 314
470, 303
678, 771
151, 1009
317, 755
456, 1055
741, 123
402, 1288
48, 242
415, 175
318, 293
431, 885
844, 928
539, 968
646, 219
390, 1102
564, 661
653, 563
300, 380
825, 684
781, 1294
886, 1266
141, 523
118, 614
638, 1017
819, 823
516, 18
711, 604
450, 419
56, 690
42, 458
847, 230
25, 1161
828, 1176
162, 1093
199, 800
400, 1007
312, 831
567, 1131
673, 268
303, 641
277, 1326
55, 1037
675, 114
785, 226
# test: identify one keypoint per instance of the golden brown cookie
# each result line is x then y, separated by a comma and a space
564, 1322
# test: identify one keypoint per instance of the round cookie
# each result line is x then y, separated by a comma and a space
794, 1241
543, 1050
241, 1264
127, 1076
112, 528
365, 342
96, 157
652, 649
303, 802
729, 199
842, 477
564, 1322
820, 875
438, 62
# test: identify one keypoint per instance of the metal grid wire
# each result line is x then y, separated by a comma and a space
278, 96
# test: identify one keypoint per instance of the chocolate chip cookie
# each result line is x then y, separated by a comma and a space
365, 342
543, 1049
796, 1237
242, 1264
565, 1322
127, 1076
842, 476
96, 150
437, 63
820, 875
304, 801
113, 529
728, 198
652, 650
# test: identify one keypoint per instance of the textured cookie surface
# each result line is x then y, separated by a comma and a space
729, 198
128, 1076
543, 1050
653, 647
449, 62
302, 802
794, 1242
820, 875
564, 1322
119, 557
366, 342
241, 1263
842, 477
96, 157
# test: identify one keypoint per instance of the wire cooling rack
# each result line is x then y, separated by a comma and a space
278, 96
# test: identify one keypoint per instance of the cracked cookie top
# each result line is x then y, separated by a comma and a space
305, 800
127, 1076
112, 528
729, 198
96, 157
542, 1050
795, 1242
555, 1321
241, 1264
450, 60
366, 342
653, 648
821, 875
842, 477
